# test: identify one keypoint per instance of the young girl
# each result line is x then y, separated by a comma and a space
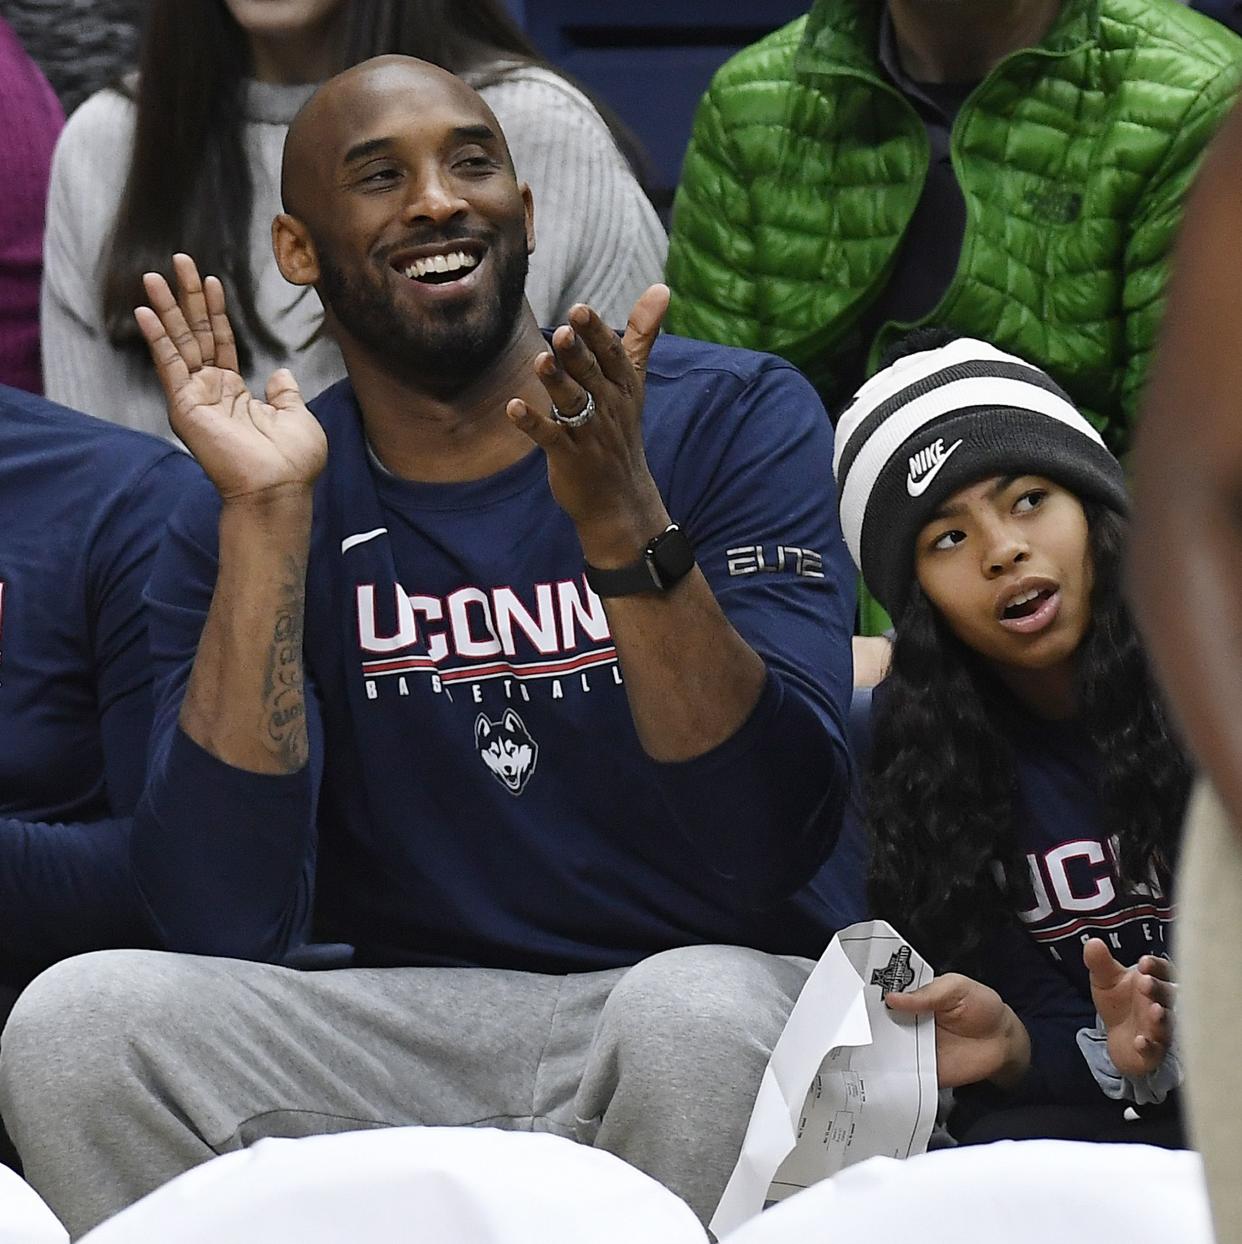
1024, 793
186, 157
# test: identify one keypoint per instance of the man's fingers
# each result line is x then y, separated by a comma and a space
542, 429
221, 329
644, 325
283, 391
1104, 970
169, 365
161, 300
603, 342
566, 393
193, 303
574, 356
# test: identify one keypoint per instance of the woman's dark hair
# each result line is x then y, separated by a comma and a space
941, 786
189, 185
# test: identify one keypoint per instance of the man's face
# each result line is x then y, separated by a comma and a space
422, 232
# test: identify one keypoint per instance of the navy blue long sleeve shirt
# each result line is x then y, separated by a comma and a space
1034, 960
476, 792
82, 507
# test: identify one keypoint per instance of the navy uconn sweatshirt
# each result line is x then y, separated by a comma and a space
1034, 960
476, 792
1035, 963
82, 507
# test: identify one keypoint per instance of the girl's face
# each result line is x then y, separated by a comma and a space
1007, 565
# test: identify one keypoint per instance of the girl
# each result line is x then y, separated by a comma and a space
187, 157
1024, 792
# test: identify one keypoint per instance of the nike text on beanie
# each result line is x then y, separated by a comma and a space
939, 420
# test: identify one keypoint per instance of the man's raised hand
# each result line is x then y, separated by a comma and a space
598, 471
252, 449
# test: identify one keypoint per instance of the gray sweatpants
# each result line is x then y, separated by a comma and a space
121, 1069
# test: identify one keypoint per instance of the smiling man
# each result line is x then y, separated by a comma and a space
517, 670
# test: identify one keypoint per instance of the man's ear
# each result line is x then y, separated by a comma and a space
528, 200
294, 250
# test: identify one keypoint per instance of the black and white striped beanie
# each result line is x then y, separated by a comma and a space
941, 419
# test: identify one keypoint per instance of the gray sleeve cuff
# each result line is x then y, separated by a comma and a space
1146, 1090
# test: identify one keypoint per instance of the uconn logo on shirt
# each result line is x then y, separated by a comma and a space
556, 641
1076, 897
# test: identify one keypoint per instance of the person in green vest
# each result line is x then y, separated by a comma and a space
1010, 169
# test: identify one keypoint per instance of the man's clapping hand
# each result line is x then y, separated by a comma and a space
598, 472
253, 450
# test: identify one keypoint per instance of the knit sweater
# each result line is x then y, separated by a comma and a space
599, 239
30, 119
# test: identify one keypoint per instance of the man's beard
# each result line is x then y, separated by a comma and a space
455, 344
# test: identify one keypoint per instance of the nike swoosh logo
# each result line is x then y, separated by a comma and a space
362, 537
919, 487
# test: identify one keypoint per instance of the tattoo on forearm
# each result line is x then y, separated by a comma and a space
284, 703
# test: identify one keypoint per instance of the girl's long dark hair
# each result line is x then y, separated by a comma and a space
941, 786
189, 186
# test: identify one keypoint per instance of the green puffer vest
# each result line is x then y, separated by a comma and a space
806, 165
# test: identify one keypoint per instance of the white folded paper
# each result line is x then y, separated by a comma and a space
848, 1080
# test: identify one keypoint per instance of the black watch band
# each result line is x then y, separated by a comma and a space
665, 560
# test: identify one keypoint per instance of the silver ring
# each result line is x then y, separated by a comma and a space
585, 415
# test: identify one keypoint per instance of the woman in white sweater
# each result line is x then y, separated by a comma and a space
187, 157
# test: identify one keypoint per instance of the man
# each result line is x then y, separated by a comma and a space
1187, 594
82, 506
391, 714
1012, 169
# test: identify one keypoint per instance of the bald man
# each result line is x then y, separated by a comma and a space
515, 669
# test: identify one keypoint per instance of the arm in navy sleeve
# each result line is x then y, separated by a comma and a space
224, 858
67, 887
755, 493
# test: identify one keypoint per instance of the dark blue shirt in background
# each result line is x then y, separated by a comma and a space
82, 507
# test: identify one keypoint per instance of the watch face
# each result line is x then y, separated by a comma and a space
670, 556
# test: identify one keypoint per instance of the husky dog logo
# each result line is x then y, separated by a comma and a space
507, 750
898, 976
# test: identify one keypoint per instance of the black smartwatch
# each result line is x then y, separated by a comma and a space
666, 559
